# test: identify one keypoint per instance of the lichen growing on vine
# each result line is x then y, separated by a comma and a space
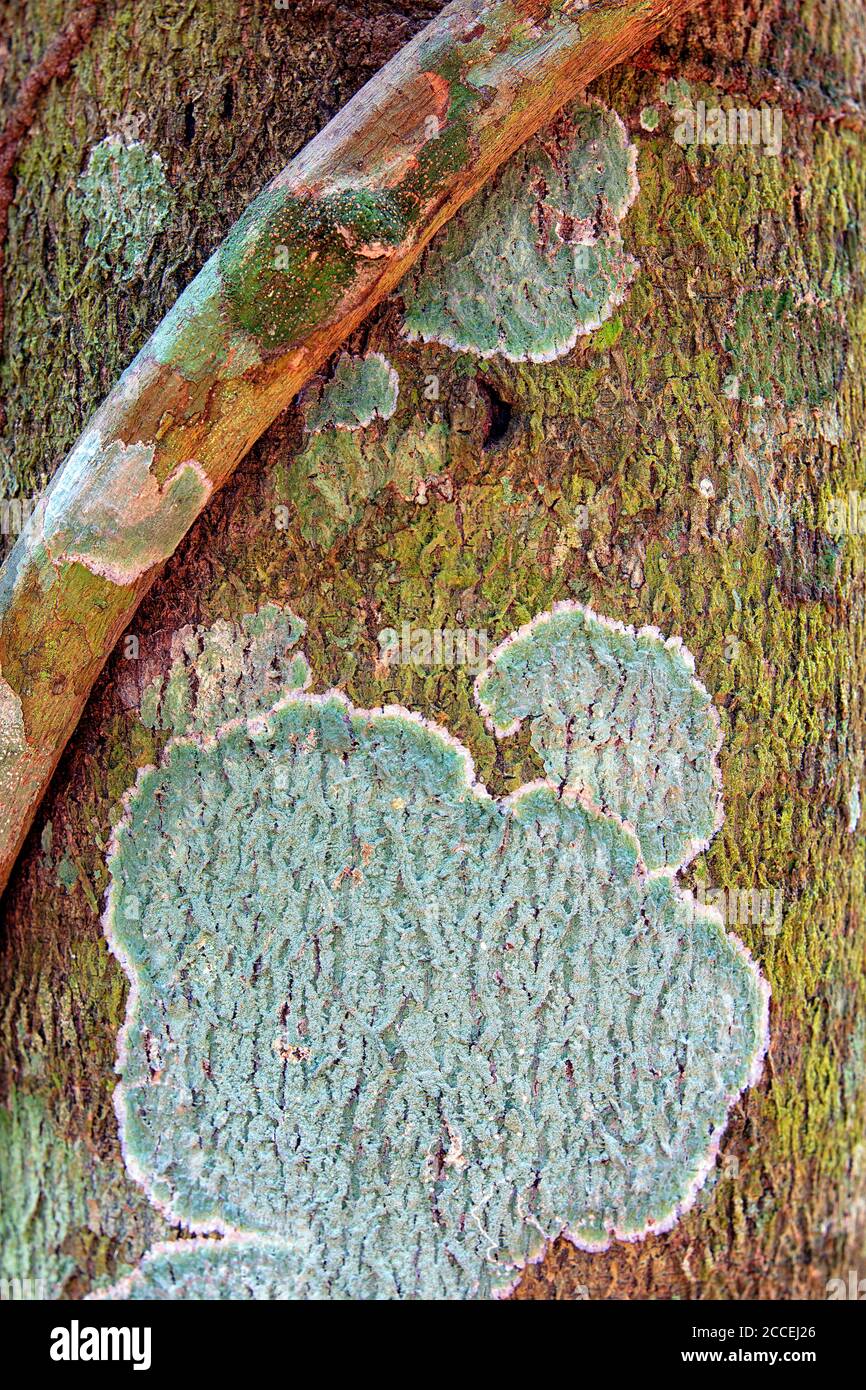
290, 256
536, 259
412, 1029
108, 512
195, 337
12, 740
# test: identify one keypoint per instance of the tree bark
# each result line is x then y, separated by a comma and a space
705, 433
311, 257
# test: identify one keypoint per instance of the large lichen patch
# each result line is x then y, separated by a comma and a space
413, 1031
238, 1267
536, 259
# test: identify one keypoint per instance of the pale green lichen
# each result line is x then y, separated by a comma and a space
46, 840
42, 1199
756, 477
536, 259
675, 92
415, 1029
13, 743
618, 715
361, 389
227, 671
67, 873
126, 201
339, 471
107, 511
854, 807
236, 1267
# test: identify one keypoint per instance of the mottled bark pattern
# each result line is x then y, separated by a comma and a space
678, 467
313, 254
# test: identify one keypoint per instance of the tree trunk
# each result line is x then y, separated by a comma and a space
690, 463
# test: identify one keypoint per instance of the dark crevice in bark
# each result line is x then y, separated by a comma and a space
499, 414
189, 123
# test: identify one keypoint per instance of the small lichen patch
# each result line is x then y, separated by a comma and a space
675, 92
619, 715
227, 671
340, 470
108, 512
67, 873
416, 1029
854, 807
13, 743
756, 478
126, 201
536, 259
361, 389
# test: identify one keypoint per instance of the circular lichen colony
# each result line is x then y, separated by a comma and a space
536, 259
410, 1029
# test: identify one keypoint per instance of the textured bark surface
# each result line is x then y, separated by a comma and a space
707, 515
320, 247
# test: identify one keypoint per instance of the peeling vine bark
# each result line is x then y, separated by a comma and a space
324, 242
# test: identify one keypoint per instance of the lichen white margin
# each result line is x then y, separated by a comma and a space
108, 512
536, 260
540, 800
235, 1267
360, 390
665, 847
